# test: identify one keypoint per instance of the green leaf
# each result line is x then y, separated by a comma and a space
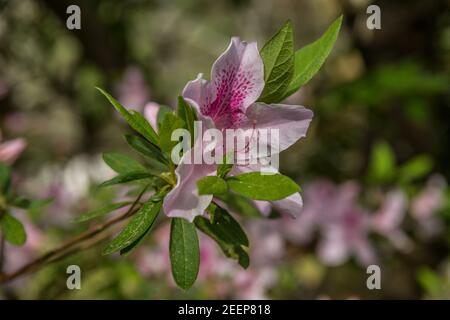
145, 148
382, 163
139, 225
187, 114
5, 177
310, 59
134, 119
240, 205
224, 168
278, 57
13, 230
227, 233
127, 177
24, 203
184, 252
101, 212
163, 110
415, 168
256, 186
212, 185
121, 163
170, 123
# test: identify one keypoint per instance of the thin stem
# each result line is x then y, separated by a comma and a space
74, 245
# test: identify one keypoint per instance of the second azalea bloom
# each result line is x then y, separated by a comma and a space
230, 101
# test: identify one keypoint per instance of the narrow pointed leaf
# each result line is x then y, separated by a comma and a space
127, 177
310, 59
278, 58
170, 123
145, 148
134, 119
101, 212
121, 163
139, 225
187, 114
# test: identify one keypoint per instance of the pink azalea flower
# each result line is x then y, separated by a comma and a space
10, 150
229, 102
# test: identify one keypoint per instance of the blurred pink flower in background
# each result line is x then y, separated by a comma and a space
387, 220
425, 205
342, 225
67, 184
313, 214
10, 150
151, 110
132, 90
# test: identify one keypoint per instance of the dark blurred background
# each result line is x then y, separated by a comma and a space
381, 102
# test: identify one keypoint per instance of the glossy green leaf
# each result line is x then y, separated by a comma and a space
135, 119
101, 212
145, 148
212, 185
13, 230
170, 123
121, 163
127, 177
310, 59
257, 186
163, 110
240, 204
138, 226
228, 234
187, 114
278, 58
184, 252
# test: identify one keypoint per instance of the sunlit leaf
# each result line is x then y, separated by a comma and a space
212, 185
134, 119
257, 186
278, 58
310, 59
